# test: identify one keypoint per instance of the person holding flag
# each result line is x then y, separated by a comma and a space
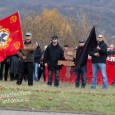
91, 43
82, 70
27, 58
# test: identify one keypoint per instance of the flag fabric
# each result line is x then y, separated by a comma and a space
10, 36
89, 44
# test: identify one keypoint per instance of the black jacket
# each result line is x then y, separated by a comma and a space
52, 55
102, 53
37, 54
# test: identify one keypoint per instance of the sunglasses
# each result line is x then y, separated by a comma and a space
54, 39
27, 35
100, 37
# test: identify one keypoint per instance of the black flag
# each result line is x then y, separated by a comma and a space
91, 43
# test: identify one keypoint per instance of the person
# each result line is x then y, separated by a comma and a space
111, 53
111, 50
99, 55
66, 47
27, 58
4, 68
82, 71
14, 67
68, 68
42, 66
37, 63
53, 53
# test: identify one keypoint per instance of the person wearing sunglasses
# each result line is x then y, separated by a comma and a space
99, 56
53, 53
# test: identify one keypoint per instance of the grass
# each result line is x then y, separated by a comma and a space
65, 98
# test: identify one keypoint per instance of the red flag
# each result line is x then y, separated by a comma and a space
10, 36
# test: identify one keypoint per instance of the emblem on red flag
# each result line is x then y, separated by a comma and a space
10, 36
4, 38
13, 19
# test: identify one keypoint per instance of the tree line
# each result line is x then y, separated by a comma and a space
49, 22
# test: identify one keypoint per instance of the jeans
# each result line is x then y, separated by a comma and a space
50, 75
81, 72
35, 71
102, 67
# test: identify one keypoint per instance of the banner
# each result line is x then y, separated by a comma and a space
10, 36
110, 69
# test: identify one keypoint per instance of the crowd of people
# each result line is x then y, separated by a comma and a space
30, 62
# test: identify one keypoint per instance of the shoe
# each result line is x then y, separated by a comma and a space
82, 86
76, 86
55, 85
30, 84
49, 84
11, 79
92, 87
18, 83
104, 87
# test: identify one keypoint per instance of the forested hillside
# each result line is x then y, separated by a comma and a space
99, 12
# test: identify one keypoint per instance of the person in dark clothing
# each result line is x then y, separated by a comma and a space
37, 63
5, 65
82, 71
14, 67
26, 62
111, 50
53, 53
42, 66
99, 56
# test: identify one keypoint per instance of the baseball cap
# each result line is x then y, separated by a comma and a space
28, 34
82, 41
54, 37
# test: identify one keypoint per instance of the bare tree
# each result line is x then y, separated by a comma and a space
50, 22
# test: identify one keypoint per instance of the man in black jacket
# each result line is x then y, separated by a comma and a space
53, 53
99, 56
82, 70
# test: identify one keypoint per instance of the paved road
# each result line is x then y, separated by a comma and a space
9, 112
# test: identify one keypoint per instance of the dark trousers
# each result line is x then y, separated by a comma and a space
4, 68
41, 72
25, 67
13, 77
50, 74
81, 72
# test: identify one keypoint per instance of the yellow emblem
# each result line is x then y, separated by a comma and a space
17, 45
4, 38
13, 19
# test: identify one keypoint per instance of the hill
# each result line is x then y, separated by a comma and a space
100, 12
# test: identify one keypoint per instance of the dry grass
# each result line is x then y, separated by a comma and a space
64, 98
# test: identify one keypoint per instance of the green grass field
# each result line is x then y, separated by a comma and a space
65, 98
